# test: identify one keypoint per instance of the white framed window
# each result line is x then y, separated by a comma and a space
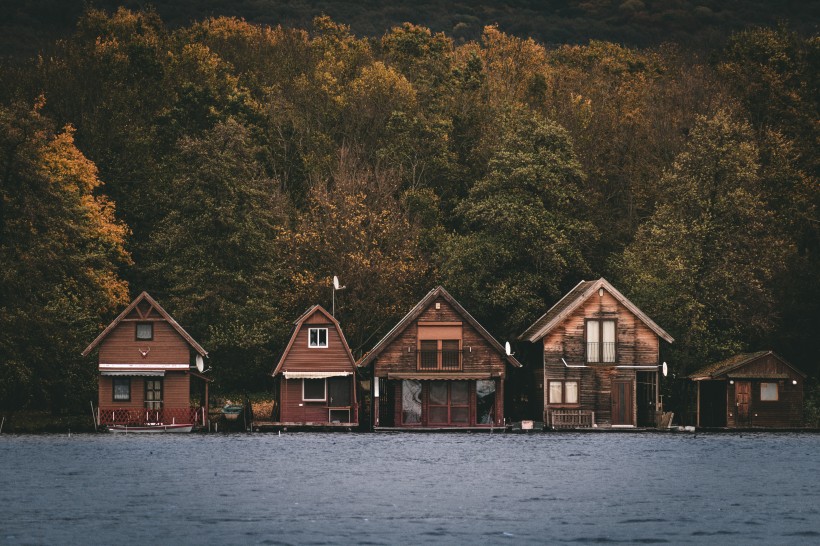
600, 339
314, 390
317, 337
563, 392
768, 392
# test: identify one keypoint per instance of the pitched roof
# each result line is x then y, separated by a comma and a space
418, 309
297, 325
163, 313
725, 366
577, 296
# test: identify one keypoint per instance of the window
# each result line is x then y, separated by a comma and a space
122, 389
411, 402
485, 401
317, 337
153, 394
600, 336
314, 390
442, 354
145, 331
768, 392
449, 402
563, 392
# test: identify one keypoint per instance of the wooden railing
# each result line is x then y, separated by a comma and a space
440, 360
142, 416
571, 418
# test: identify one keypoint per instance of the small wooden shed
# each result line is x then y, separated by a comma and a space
146, 362
750, 390
438, 368
315, 379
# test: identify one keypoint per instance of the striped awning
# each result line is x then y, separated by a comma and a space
148, 373
438, 376
314, 375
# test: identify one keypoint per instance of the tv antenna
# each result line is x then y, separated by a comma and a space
336, 286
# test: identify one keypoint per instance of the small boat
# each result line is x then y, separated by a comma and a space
159, 427
232, 411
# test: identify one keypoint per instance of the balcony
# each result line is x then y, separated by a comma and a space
598, 352
445, 360
142, 416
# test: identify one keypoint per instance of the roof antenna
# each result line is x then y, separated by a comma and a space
336, 286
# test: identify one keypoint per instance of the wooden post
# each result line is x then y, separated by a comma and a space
697, 419
375, 398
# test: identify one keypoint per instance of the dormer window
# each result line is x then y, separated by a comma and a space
600, 336
317, 338
145, 331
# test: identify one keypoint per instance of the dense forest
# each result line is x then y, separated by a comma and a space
231, 169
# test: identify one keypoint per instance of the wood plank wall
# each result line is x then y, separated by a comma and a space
637, 345
122, 347
786, 412
176, 391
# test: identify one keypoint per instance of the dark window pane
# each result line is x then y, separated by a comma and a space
459, 393
314, 389
449, 354
428, 358
460, 415
122, 388
438, 414
438, 393
145, 331
485, 401
411, 402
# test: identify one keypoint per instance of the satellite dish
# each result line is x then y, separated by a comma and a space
336, 284
665, 369
507, 348
200, 364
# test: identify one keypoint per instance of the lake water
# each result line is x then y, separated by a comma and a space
410, 488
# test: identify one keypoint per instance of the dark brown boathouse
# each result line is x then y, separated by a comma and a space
438, 368
750, 390
146, 362
316, 376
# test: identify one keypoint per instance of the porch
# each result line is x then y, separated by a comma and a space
142, 416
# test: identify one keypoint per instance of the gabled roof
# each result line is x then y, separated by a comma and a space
416, 311
158, 308
297, 325
577, 296
734, 362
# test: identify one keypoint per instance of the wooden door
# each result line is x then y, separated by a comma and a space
338, 391
743, 398
622, 403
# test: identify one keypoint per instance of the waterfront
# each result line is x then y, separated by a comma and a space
410, 488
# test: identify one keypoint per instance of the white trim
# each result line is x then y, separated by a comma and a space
314, 375
622, 426
145, 366
314, 399
134, 373
319, 345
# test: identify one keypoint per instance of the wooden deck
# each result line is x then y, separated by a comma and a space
273, 426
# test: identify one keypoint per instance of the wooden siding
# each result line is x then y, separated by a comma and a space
176, 391
786, 412
122, 347
478, 356
292, 409
636, 345
334, 357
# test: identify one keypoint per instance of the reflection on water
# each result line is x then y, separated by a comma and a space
410, 488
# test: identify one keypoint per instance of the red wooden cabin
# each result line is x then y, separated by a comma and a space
750, 390
146, 361
438, 368
601, 360
316, 375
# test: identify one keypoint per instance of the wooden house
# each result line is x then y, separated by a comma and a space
146, 363
601, 360
438, 368
316, 376
750, 390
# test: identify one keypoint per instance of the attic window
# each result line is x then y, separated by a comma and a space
317, 337
145, 331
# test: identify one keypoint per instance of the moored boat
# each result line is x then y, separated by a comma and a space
177, 427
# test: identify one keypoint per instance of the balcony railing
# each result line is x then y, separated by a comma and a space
143, 416
440, 360
600, 352
571, 418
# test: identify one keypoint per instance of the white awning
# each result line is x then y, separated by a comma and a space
151, 373
314, 375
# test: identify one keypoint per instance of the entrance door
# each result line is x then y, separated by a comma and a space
646, 396
338, 392
743, 398
448, 403
622, 403
153, 394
